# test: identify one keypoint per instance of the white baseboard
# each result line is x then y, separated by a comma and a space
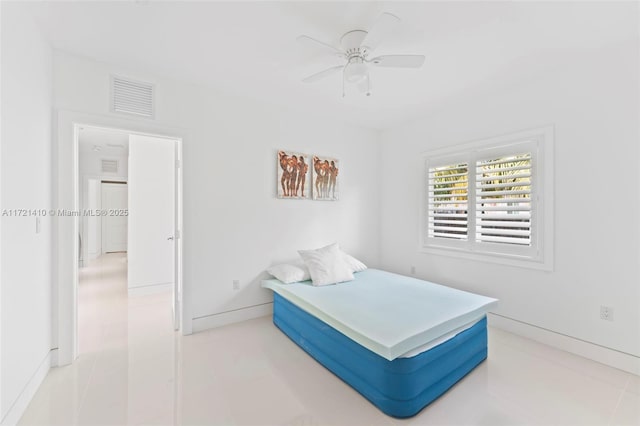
230, 317
22, 402
54, 358
601, 354
150, 289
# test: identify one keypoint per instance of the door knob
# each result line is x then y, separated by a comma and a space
170, 238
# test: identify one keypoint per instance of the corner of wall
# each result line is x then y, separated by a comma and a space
26, 126
380, 178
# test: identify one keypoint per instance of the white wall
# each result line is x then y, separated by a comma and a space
593, 104
234, 227
26, 184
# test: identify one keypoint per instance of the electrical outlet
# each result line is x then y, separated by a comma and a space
413, 270
606, 313
236, 284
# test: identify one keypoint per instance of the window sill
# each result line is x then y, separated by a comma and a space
487, 257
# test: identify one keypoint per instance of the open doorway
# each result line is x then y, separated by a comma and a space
67, 229
128, 193
103, 156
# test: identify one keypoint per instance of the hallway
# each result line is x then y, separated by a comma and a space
125, 372
110, 320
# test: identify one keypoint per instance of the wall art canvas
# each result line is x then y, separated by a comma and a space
293, 175
325, 178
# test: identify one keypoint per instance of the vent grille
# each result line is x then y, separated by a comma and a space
109, 166
132, 97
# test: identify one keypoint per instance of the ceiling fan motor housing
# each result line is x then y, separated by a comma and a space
351, 43
356, 54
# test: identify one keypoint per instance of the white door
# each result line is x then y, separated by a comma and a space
152, 207
114, 222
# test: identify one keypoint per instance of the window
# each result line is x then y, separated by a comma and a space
492, 199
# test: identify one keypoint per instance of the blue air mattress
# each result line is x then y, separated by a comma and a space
400, 387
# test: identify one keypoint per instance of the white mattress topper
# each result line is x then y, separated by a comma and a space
387, 313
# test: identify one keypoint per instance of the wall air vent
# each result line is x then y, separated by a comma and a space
109, 166
132, 97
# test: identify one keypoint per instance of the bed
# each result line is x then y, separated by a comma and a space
399, 341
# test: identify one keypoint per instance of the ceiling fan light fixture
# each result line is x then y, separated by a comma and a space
356, 50
356, 70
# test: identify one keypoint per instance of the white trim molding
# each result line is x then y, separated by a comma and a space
15, 412
611, 357
146, 290
232, 316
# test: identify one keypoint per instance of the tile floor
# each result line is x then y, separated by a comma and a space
133, 369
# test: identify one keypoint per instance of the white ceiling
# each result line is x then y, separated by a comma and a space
107, 142
249, 47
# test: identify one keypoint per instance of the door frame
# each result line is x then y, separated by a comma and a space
66, 227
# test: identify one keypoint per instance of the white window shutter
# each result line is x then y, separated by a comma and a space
491, 200
448, 201
503, 200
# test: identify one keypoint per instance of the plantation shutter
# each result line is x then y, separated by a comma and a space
448, 208
503, 200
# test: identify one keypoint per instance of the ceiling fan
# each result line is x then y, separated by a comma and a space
356, 48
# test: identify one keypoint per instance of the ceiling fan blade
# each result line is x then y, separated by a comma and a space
317, 44
399, 61
384, 26
322, 74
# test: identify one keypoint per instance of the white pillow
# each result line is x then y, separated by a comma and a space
354, 264
290, 273
326, 265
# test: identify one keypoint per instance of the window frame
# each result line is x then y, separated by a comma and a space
539, 255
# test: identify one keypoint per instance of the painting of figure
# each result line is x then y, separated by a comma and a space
325, 178
293, 171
